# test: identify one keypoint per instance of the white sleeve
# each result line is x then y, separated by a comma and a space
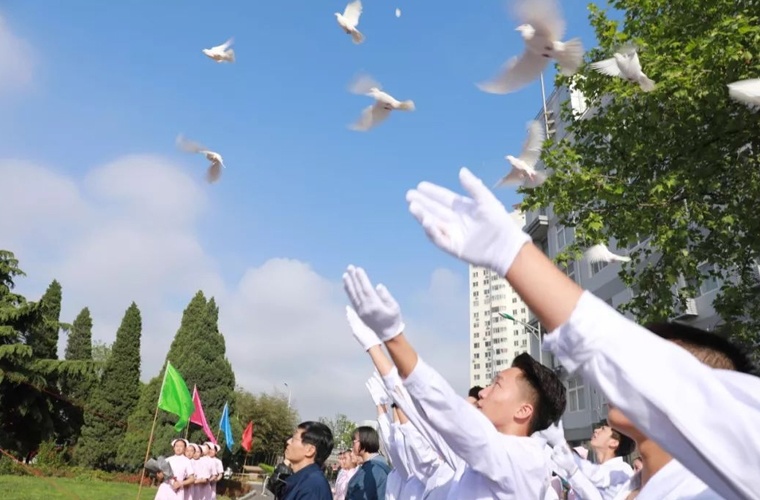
423, 461
398, 452
467, 431
404, 401
384, 431
668, 394
583, 487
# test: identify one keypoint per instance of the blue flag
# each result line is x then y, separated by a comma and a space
224, 425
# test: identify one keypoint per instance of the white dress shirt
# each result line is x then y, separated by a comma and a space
707, 419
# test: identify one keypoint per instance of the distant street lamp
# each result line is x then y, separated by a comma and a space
535, 331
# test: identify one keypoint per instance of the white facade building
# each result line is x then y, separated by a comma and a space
494, 340
585, 405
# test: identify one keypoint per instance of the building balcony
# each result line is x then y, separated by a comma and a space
537, 224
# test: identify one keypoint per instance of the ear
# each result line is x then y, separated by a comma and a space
311, 451
613, 443
525, 412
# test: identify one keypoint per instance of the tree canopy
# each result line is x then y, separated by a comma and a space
678, 165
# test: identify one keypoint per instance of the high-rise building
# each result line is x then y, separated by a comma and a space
495, 340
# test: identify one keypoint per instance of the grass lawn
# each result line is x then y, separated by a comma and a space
49, 488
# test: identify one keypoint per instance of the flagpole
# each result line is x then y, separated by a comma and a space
152, 430
147, 451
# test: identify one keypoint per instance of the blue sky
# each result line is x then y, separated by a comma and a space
117, 78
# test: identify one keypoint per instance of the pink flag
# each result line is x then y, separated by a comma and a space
199, 418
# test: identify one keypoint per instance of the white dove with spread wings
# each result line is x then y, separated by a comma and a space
542, 29
600, 253
524, 167
349, 20
221, 53
217, 163
625, 64
381, 109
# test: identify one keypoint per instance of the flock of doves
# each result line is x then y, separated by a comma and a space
542, 29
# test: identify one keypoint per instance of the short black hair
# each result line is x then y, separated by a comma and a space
320, 436
368, 439
626, 445
474, 392
712, 349
550, 394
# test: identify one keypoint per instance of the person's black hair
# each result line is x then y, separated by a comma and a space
626, 445
320, 436
368, 439
712, 349
394, 405
550, 393
474, 392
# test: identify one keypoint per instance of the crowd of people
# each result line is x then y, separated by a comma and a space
684, 402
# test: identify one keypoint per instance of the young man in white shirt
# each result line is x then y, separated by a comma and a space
501, 460
670, 396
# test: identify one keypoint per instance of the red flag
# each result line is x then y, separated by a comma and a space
247, 441
199, 418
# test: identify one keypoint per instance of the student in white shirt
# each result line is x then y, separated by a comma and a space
494, 438
610, 472
662, 477
666, 393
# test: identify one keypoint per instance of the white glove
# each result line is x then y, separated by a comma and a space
563, 457
375, 306
362, 333
554, 434
477, 230
377, 391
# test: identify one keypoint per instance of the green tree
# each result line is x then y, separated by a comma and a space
79, 345
101, 352
27, 414
114, 397
77, 388
42, 337
274, 421
342, 429
198, 352
678, 165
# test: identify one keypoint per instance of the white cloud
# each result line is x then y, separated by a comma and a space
128, 231
17, 59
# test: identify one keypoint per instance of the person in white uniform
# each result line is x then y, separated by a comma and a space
502, 460
680, 403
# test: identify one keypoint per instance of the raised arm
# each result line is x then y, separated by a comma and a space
390, 380
627, 362
466, 430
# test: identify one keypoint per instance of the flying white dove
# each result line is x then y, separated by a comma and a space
600, 253
381, 109
221, 53
625, 64
217, 163
349, 20
542, 28
524, 168
746, 91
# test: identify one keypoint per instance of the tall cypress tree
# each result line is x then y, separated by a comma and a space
77, 388
43, 336
114, 398
79, 345
198, 353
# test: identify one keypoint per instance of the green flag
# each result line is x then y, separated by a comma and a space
175, 398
